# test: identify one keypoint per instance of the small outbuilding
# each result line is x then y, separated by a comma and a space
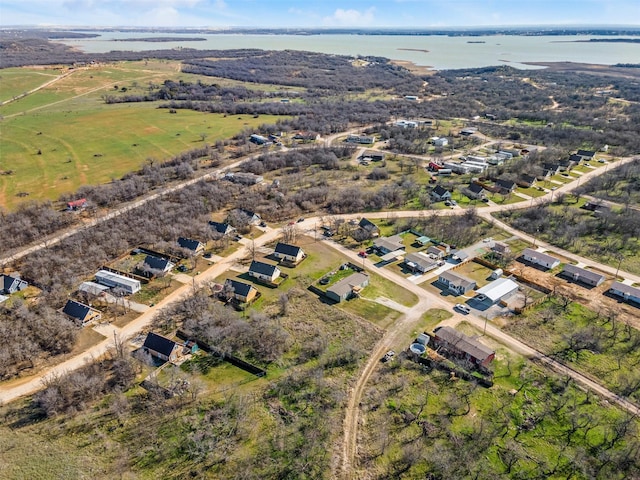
496, 291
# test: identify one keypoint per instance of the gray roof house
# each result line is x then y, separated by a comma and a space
388, 244
264, 271
456, 284
348, 287
419, 262
9, 284
539, 258
581, 275
626, 292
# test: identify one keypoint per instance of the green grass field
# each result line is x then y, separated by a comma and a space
65, 136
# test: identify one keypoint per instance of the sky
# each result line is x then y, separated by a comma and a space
318, 13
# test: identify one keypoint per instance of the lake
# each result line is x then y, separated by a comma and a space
436, 51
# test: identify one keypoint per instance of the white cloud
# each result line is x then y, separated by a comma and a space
351, 17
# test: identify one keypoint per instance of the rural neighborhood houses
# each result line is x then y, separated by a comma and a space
462, 346
369, 227
222, 228
157, 264
348, 287
456, 284
81, 313
264, 271
439, 194
419, 262
386, 245
538, 258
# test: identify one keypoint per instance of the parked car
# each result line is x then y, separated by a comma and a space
301, 219
462, 308
447, 203
388, 356
362, 254
263, 224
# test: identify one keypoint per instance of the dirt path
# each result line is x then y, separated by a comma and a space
40, 87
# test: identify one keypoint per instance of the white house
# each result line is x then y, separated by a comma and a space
288, 253
264, 271
115, 280
626, 292
498, 290
539, 258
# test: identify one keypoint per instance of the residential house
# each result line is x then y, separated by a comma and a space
386, 245
475, 191
258, 139
501, 248
581, 275
461, 345
439, 193
440, 142
244, 178
539, 258
566, 164
161, 347
9, 284
92, 288
456, 284
254, 218
498, 290
81, 313
348, 287
159, 264
437, 251
468, 131
242, 292
419, 262
576, 159
306, 136
371, 228
526, 180
264, 271
288, 253
413, 98
115, 280
505, 186
362, 139
586, 154
551, 168
222, 228
193, 245
626, 292
460, 256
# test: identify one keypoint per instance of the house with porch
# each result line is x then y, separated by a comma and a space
193, 245
440, 194
9, 284
419, 263
625, 292
449, 340
348, 287
581, 275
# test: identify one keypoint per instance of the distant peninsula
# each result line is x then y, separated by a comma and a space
161, 39
414, 50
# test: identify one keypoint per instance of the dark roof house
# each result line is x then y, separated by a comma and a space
9, 284
190, 244
369, 226
440, 193
158, 263
222, 228
586, 154
161, 347
80, 312
289, 253
505, 186
264, 271
242, 292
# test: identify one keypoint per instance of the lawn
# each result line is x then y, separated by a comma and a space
65, 136
52, 153
16, 81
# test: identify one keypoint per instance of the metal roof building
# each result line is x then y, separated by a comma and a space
496, 291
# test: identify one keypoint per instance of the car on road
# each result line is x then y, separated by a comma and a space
462, 308
388, 356
301, 219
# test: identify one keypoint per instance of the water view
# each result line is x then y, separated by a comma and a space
438, 52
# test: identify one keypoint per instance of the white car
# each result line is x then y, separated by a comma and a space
462, 308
